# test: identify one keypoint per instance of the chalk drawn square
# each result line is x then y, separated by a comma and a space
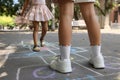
37, 72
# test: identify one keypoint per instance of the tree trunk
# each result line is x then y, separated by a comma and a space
52, 8
53, 20
101, 17
107, 21
101, 20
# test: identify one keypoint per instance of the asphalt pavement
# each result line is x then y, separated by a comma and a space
19, 62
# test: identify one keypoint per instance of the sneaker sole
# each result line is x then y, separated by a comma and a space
36, 50
103, 67
60, 71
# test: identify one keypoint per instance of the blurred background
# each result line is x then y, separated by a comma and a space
108, 12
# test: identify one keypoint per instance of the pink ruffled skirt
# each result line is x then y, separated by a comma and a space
75, 1
39, 12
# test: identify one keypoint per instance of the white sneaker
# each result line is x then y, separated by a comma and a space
97, 62
63, 66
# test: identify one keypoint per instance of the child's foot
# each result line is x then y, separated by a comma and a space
97, 62
63, 66
42, 43
97, 59
36, 48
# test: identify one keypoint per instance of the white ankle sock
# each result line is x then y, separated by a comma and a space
65, 52
96, 51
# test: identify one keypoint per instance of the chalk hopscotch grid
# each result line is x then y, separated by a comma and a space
19, 69
2, 62
80, 50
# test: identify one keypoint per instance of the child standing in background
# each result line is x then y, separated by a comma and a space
38, 12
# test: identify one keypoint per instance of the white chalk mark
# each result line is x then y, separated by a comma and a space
112, 57
44, 60
52, 45
7, 52
22, 57
55, 47
88, 69
103, 76
3, 74
2, 61
22, 43
25, 45
30, 48
18, 73
81, 49
81, 56
19, 69
52, 52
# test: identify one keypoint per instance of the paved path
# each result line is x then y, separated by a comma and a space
19, 62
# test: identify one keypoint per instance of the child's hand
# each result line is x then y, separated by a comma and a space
21, 13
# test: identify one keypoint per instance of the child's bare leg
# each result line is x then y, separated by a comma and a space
63, 64
35, 35
44, 31
65, 28
93, 27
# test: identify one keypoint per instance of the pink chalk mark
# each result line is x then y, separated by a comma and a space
44, 48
